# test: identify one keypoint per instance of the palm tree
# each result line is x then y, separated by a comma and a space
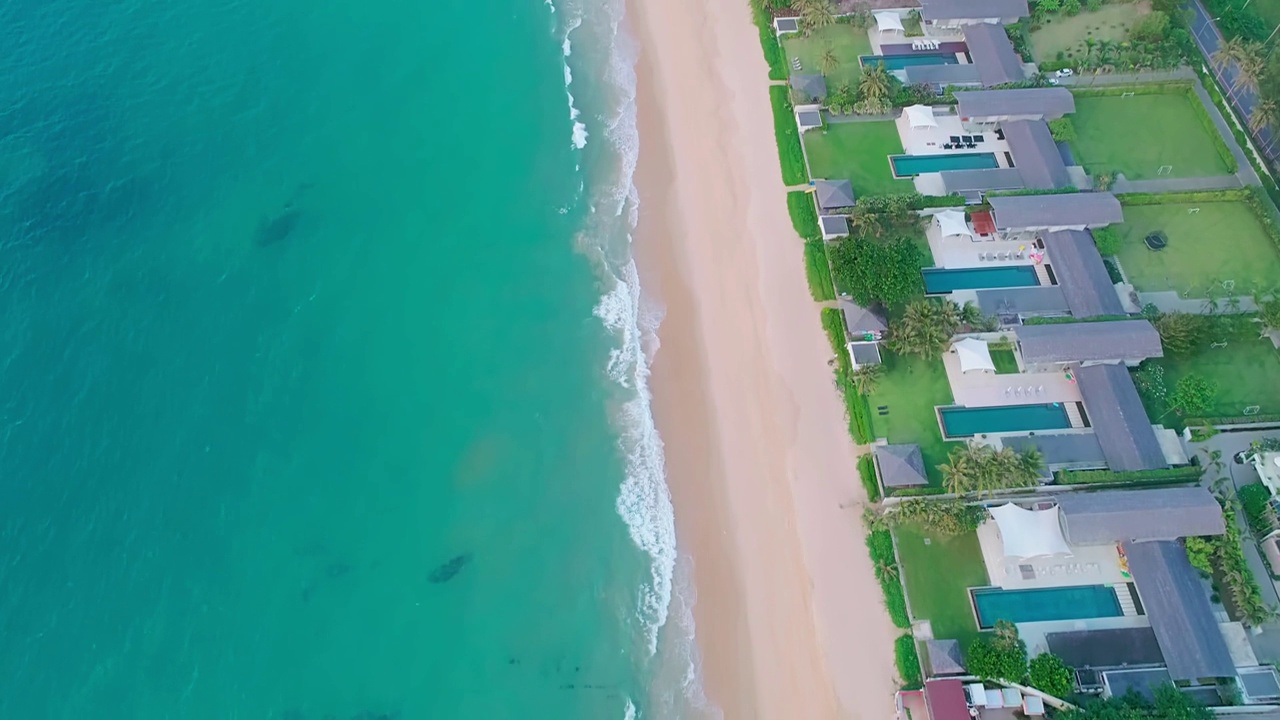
1228, 52
1250, 67
926, 327
816, 14
876, 83
866, 377
1264, 114
828, 61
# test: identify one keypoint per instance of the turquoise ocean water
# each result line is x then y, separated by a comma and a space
321, 367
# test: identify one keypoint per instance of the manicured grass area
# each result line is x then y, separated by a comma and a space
1063, 34
908, 660
908, 392
818, 271
804, 215
787, 135
938, 576
860, 152
1004, 360
1138, 135
1269, 10
846, 41
1247, 372
1223, 241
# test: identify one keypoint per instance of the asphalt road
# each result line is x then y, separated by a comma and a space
1209, 40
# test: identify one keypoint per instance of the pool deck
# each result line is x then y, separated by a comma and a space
929, 141
1094, 565
958, 251
984, 389
897, 37
1033, 633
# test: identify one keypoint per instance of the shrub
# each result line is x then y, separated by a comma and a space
1255, 499
867, 473
1071, 7
946, 517
885, 563
872, 271
1113, 270
908, 660
1180, 332
1200, 553
1108, 241
1193, 395
787, 135
769, 41
804, 215
1151, 29
817, 271
1186, 473
1062, 130
1000, 655
1049, 673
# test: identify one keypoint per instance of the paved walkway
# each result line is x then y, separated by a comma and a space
1209, 39
1170, 301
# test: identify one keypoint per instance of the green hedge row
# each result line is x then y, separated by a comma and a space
1255, 498
880, 547
787, 134
867, 473
1072, 320
1233, 420
818, 271
804, 215
1183, 197
908, 660
1152, 88
1189, 473
855, 403
941, 201
917, 491
769, 41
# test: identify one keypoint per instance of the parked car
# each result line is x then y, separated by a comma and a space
1065, 72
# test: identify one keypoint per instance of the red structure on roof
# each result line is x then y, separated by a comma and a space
983, 224
946, 700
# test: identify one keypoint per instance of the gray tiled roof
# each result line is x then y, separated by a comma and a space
1039, 300
865, 353
1122, 425
1036, 155
861, 320
1132, 340
959, 181
992, 52
1070, 449
809, 118
834, 193
944, 657
1081, 274
1177, 604
945, 74
1109, 516
1050, 103
1085, 209
834, 224
1106, 648
900, 465
972, 9
810, 85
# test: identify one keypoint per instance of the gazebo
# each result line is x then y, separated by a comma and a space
974, 355
887, 21
952, 222
1029, 533
920, 116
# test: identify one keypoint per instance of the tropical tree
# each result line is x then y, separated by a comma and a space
828, 61
817, 14
875, 88
1230, 51
1269, 314
866, 378
926, 328
1180, 332
1193, 396
1049, 673
1250, 67
1265, 113
999, 656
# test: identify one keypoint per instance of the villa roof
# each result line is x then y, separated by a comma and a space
960, 181
1122, 425
1132, 340
1039, 300
834, 193
1081, 274
972, 9
834, 224
810, 85
945, 700
1110, 516
1106, 648
861, 320
865, 353
944, 657
1050, 103
1035, 154
1177, 604
1077, 449
992, 52
809, 119
900, 465
944, 74
1085, 209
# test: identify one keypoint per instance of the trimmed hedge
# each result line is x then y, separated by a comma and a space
1228, 195
804, 215
908, 660
818, 271
885, 564
1073, 320
941, 201
1189, 473
917, 491
867, 473
769, 41
1255, 498
855, 403
1233, 420
787, 134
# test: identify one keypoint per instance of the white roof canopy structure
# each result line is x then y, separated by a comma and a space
886, 21
920, 116
1029, 533
974, 355
952, 222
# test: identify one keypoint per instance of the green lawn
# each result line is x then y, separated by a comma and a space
902, 407
938, 577
846, 41
860, 152
1004, 360
1224, 241
1269, 10
1247, 372
1062, 34
1139, 134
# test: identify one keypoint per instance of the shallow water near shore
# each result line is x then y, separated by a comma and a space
323, 378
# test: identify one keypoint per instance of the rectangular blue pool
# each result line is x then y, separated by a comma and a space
898, 62
905, 166
1081, 602
959, 422
946, 280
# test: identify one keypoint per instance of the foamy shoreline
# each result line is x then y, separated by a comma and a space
789, 616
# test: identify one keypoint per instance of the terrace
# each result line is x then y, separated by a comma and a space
1179, 145
988, 389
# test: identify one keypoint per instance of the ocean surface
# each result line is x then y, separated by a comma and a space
322, 366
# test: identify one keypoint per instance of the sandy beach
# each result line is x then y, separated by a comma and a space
762, 469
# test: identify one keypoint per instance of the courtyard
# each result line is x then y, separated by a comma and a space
1209, 244
1116, 133
859, 152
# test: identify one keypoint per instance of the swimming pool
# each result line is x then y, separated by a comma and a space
1040, 604
911, 165
945, 280
959, 422
897, 62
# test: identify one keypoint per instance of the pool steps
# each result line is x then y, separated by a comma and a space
1073, 415
1126, 600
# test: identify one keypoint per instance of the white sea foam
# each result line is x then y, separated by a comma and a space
579, 128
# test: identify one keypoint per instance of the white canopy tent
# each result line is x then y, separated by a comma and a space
974, 355
952, 222
920, 116
1029, 533
887, 21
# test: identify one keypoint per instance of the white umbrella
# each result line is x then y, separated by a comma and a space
920, 116
952, 222
889, 21
974, 355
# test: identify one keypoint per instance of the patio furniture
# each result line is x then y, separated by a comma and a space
795, 63
971, 145
966, 138
978, 139
946, 146
955, 139
1004, 256
999, 134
